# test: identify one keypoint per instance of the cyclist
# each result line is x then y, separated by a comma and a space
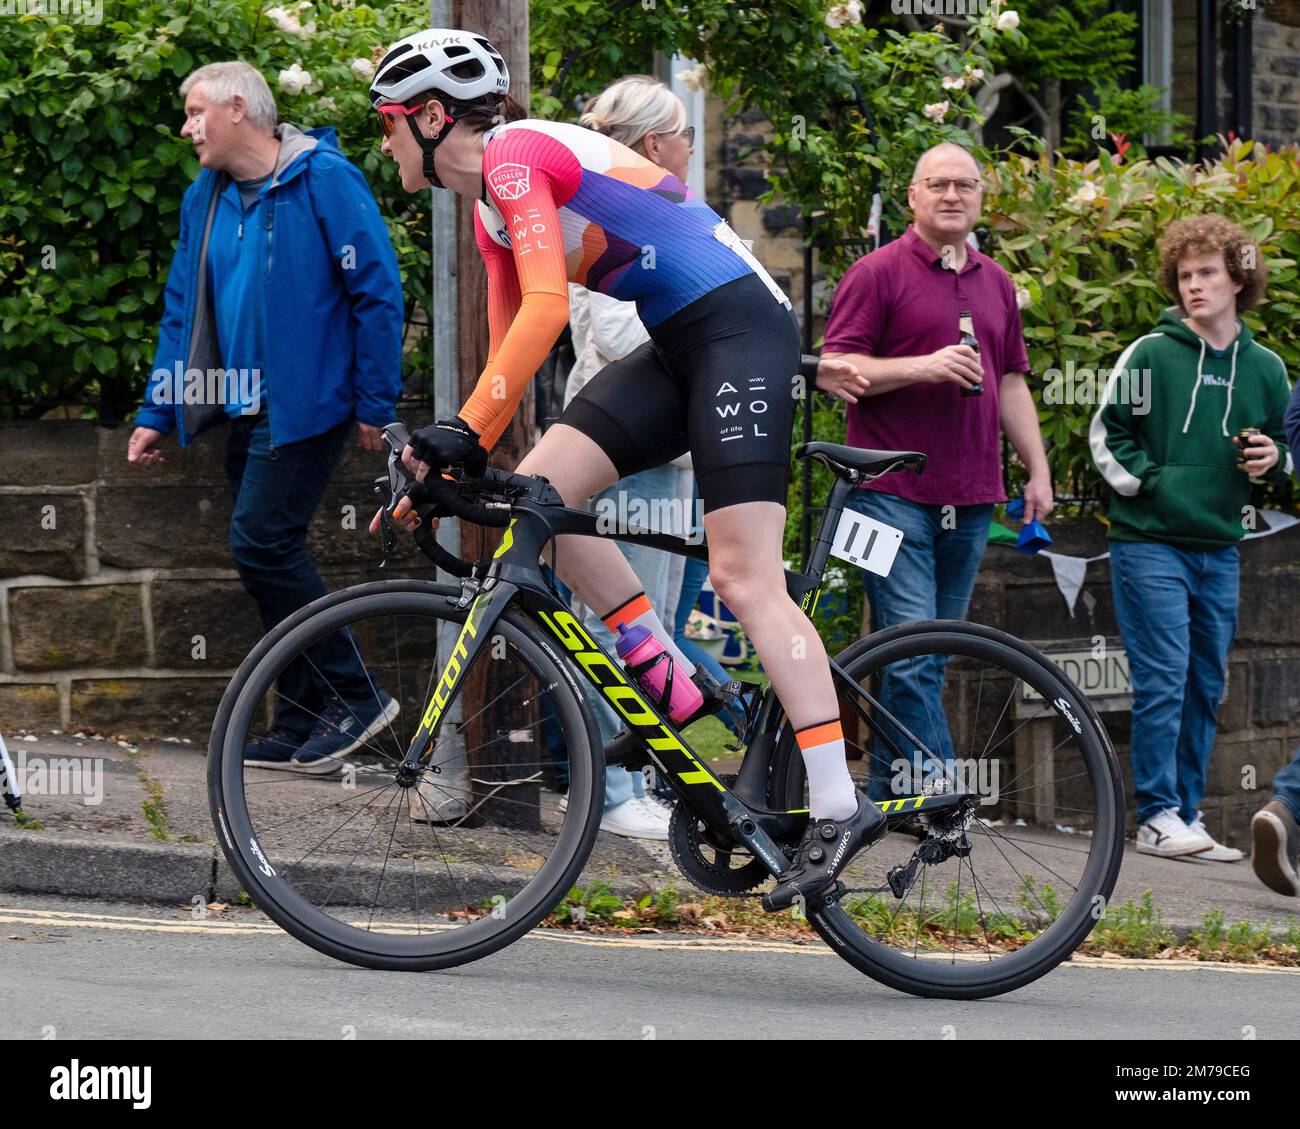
556, 203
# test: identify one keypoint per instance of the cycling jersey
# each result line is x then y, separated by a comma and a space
566, 204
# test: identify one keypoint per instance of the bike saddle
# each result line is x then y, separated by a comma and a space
851, 462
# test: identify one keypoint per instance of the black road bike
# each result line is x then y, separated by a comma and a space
444, 836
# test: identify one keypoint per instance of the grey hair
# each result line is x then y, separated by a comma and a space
944, 145
222, 81
632, 107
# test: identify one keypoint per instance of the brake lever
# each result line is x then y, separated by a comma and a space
397, 438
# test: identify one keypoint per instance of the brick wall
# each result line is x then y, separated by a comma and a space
119, 604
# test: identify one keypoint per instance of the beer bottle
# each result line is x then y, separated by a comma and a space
967, 328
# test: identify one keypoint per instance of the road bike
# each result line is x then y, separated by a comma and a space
446, 835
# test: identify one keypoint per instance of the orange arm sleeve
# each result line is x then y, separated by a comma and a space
528, 298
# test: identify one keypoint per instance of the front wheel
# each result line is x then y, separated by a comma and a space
1003, 889
353, 858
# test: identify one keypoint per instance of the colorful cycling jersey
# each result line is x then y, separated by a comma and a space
566, 204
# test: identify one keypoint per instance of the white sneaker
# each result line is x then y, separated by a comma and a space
1166, 835
1218, 852
636, 819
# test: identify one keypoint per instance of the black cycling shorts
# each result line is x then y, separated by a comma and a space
717, 378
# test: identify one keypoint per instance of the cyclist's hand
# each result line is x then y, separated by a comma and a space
447, 443
1261, 455
143, 447
841, 378
404, 516
958, 363
371, 438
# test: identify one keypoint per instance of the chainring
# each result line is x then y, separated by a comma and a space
687, 841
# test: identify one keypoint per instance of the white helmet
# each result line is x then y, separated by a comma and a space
460, 64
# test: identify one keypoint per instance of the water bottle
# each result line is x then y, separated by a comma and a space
637, 646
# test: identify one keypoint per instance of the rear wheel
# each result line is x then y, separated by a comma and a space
419, 875
1007, 886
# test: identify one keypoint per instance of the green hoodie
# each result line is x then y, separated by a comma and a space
1167, 449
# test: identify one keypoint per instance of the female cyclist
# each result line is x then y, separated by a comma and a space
556, 203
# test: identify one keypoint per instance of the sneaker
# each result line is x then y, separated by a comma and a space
274, 749
1218, 852
1276, 852
429, 803
341, 730
1167, 836
636, 819
827, 847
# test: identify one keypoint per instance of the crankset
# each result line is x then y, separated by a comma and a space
712, 865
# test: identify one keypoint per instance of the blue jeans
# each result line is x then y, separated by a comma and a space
276, 492
1286, 785
659, 573
932, 578
1177, 612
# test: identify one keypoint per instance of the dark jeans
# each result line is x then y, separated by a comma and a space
276, 492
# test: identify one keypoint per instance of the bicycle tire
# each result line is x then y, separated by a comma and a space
934, 979
325, 933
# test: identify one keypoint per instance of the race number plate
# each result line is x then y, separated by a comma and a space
866, 542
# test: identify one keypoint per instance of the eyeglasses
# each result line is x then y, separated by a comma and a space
939, 185
687, 132
390, 123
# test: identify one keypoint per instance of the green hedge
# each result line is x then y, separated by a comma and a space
94, 169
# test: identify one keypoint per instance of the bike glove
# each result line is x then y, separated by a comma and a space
450, 442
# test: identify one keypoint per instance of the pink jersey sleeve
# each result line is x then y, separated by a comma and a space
527, 175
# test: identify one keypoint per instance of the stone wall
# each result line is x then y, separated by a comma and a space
1259, 719
119, 604
1276, 91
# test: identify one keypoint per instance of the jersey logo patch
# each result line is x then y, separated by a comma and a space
509, 181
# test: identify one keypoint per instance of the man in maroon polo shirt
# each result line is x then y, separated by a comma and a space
896, 316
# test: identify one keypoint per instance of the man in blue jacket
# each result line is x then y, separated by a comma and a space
284, 314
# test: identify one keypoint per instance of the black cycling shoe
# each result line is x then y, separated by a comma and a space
826, 848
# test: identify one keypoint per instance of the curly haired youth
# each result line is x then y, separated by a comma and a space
1209, 235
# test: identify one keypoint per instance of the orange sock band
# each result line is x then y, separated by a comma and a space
822, 734
638, 605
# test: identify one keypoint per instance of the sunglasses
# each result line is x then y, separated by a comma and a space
387, 109
688, 132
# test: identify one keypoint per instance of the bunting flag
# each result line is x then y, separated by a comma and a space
1069, 572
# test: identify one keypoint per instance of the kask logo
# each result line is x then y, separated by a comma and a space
509, 181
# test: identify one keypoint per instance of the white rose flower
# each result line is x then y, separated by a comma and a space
285, 21
295, 80
1008, 20
1023, 300
975, 74
364, 69
1086, 193
693, 79
846, 12
936, 111
954, 82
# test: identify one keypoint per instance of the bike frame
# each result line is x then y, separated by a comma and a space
514, 576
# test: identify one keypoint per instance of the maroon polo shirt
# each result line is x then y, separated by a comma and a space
900, 301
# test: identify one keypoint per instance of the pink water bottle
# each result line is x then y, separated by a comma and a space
649, 663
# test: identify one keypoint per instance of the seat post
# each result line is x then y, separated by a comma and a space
821, 546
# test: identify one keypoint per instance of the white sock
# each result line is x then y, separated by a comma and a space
831, 794
637, 612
